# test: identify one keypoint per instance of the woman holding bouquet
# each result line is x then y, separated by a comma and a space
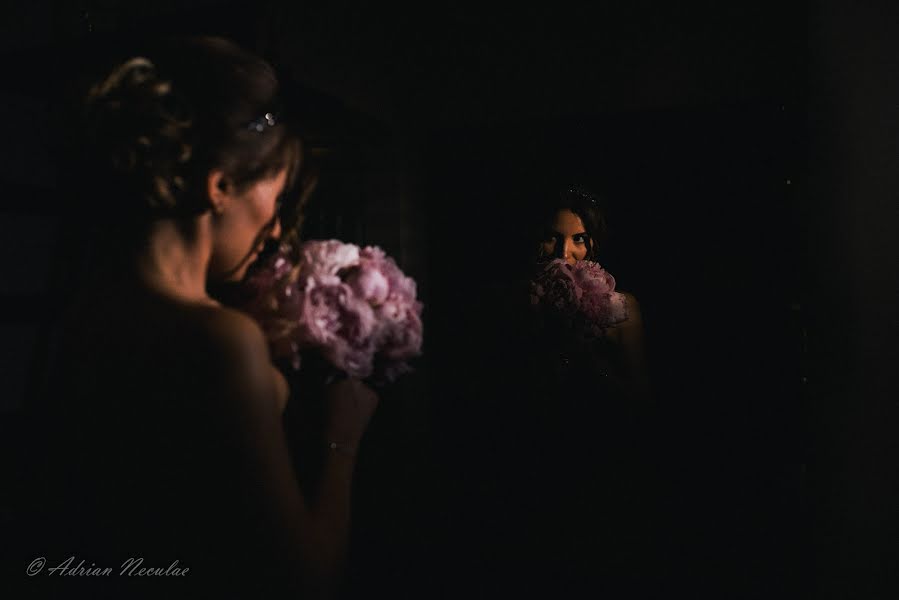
573, 226
579, 476
167, 409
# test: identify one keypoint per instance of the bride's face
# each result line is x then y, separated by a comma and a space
246, 222
567, 238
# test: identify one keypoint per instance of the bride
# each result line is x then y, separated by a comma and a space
573, 226
167, 438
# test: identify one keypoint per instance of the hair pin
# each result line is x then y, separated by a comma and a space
266, 120
583, 194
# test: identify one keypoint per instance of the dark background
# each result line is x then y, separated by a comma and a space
747, 154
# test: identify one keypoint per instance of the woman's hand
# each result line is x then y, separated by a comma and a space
351, 405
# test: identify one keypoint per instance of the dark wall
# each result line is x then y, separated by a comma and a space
703, 233
851, 220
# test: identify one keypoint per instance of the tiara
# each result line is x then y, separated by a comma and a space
585, 195
266, 120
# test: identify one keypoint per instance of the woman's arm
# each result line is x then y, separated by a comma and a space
629, 373
631, 338
311, 538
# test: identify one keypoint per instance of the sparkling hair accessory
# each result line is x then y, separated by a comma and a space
266, 120
577, 191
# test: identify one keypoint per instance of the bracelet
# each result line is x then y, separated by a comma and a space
342, 449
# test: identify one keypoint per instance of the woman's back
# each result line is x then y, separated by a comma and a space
145, 460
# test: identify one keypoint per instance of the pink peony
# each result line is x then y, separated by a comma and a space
402, 332
399, 285
369, 283
581, 296
354, 307
327, 258
592, 278
338, 323
556, 287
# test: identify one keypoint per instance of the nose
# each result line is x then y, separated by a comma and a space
567, 251
275, 231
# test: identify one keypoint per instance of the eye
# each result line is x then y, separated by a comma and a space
579, 239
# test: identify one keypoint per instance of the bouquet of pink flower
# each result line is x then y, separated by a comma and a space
581, 297
352, 306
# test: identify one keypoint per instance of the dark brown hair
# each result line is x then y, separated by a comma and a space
585, 204
159, 122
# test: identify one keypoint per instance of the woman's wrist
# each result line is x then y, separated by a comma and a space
341, 448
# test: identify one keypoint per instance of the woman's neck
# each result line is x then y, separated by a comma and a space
174, 261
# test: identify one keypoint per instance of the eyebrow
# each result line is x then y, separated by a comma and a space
556, 233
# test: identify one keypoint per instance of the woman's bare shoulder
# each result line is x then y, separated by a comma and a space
233, 338
230, 325
631, 299
240, 352
633, 309
630, 327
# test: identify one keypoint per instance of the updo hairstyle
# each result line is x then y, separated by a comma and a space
159, 123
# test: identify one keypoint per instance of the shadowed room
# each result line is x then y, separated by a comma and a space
744, 159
